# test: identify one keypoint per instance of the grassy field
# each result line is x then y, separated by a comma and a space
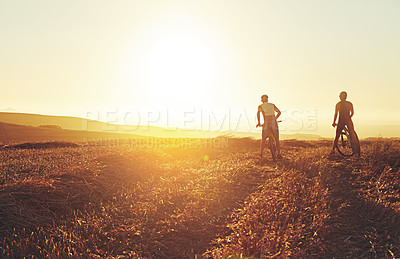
204, 201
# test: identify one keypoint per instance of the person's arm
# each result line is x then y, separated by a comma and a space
335, 116
278, 112
351, 110
258, 116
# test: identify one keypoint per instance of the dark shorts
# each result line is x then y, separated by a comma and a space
270, 125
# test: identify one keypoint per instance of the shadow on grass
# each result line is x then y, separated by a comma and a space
360, 228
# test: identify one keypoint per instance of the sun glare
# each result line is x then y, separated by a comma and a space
178, 62
178, 67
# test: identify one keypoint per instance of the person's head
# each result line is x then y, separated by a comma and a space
343, 96
264, 98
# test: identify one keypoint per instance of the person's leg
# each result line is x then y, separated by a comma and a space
354, 137
339, 129
275, 131
262, 146
350, 126
335, 141
277, 143
272, 145
263, 142
278, 148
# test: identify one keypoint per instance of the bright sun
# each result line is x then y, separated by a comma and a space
179, 67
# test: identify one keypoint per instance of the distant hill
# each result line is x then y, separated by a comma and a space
257, 135
365, 131
12, 134
75, 123
388, 131
68, 124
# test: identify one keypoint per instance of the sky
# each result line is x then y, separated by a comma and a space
202, 64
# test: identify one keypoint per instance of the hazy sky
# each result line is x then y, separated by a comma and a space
174, 62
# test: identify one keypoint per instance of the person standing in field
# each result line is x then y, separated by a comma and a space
345, 111
270, 125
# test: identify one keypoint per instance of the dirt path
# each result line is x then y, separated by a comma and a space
192, 208
189, 208
180, 206
193, 237
359, 228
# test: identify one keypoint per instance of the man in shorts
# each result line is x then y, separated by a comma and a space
346, 111
270, 124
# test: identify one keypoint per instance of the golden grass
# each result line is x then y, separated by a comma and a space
110, 201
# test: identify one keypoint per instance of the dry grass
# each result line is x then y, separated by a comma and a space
210, 202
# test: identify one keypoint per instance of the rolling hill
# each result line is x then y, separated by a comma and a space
12, 133
86, 125
82, 124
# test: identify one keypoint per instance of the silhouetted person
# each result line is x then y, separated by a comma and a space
270, 124
345, 110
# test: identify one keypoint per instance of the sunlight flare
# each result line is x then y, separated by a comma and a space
178, 65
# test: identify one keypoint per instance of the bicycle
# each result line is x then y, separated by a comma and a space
348, 143
272, 143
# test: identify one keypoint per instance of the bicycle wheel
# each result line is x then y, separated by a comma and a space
344, 145
355, 143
